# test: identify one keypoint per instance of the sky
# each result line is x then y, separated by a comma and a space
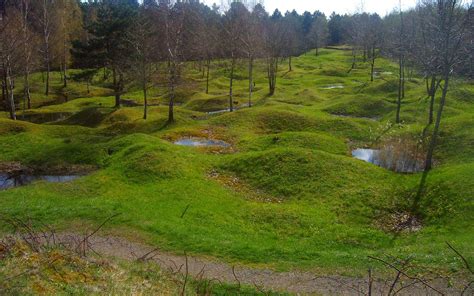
381, 7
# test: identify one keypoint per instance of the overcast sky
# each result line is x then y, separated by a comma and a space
382, 7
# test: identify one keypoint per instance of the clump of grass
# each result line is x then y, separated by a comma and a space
29, 269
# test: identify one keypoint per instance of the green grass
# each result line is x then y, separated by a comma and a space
290, 146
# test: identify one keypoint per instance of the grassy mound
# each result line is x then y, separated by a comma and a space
301, 173
90, 117
309, 140
145, 159
362, 106
208, 104
279, 121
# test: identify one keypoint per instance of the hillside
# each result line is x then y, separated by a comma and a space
278, 188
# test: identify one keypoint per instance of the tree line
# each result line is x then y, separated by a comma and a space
137, 41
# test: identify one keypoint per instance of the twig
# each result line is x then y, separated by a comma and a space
407, 275
144, 257
185, 210
235, 276
186, 275
370, 282
468, 267
86, 238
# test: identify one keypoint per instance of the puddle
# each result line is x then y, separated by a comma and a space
387, 158
378, 74
201, 142
10, 181
333, 86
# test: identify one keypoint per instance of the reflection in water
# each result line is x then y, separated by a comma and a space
333, 86
10, 181
389, 158
200, 142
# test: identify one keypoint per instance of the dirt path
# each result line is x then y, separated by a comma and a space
297, 282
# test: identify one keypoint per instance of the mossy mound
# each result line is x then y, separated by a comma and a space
90, 117
389, 86
13, 127
208, 104
145, 159
302, 174
278, 121
361, 107
334, 72
309, 140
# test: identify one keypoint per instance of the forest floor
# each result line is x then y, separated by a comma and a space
279, 189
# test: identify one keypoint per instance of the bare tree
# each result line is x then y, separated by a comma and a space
10, 56
173, 19
401, 66
45, 19
448, 20
234, 27
27, 50
374, 40
253, 43
319, 32
143, 36
274, 40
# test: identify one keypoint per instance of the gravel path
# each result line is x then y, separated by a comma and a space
298, 282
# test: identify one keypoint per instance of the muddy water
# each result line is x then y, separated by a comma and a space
333, 86
387, 158
201, 142
10, 181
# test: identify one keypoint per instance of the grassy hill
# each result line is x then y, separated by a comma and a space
287, 194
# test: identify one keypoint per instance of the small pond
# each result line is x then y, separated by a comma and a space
201, 142
389, 159
10, 181
333, 86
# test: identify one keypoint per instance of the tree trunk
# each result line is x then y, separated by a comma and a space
48, 69
250, 80
5, 89
65, 74
27, 55
171, 104
26, 89
11, 98
372, 65
400, 88
289, 64
208, 65
231, 82
432, 94
353, 60
145, 100
116, 88
61, 72
434, 137
272, 71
